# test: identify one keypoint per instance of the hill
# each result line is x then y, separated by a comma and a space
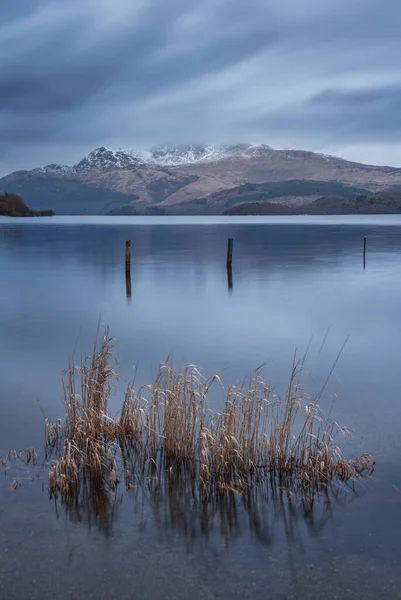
387, 202
12, 205
198, 179
289, 192
70, 197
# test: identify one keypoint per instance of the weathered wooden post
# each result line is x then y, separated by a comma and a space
128, 255
128, 267
230, 263
364, 252
230, 253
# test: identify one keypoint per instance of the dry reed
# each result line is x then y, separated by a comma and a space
166, 428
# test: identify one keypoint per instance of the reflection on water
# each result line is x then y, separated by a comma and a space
230, 277
94, 506
267, 512
128, 288
177, 506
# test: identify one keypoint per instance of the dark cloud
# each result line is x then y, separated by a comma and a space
363, 115
56, 76
74, 75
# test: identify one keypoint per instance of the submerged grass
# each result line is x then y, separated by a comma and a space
166, 429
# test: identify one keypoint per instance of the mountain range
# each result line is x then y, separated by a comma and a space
195, 179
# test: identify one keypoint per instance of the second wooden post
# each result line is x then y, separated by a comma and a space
128, 267
230, 253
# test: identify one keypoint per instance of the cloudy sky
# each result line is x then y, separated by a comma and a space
322, 75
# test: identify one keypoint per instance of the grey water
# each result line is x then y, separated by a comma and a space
298, 284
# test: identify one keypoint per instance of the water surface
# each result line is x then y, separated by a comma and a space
297, 281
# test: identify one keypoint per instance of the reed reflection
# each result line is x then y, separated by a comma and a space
176, 505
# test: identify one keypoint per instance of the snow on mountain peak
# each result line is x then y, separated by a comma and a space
165, 156
161, 156
105, 158
54, 168
170, 156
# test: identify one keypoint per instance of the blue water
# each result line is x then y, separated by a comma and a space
298, 283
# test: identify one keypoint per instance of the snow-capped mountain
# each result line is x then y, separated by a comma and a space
184, 175
106, 158
160, 156
53, 168
173, 156
165, 156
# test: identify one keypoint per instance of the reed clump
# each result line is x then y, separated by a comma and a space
166, 428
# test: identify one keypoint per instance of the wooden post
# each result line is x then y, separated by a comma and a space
230, 253
364, 252
128, 254
128, 267
230, 263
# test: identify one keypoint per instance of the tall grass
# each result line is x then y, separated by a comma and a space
166, 428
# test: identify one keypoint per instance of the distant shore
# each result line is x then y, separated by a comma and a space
12, 205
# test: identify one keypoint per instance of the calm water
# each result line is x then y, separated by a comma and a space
296, 281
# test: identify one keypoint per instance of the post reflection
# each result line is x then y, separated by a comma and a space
128, 289
230, 278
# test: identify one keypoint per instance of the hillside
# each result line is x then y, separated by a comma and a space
69, 196
198, 179
387, 202
12, 205
286, 191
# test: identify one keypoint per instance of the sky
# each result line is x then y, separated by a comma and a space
321, 75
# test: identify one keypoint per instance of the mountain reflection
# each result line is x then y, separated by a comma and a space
102, 246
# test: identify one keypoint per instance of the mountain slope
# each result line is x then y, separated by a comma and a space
387, 202
69, 197
108, 179
286, 191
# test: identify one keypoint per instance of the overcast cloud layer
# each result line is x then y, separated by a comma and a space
322, 75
